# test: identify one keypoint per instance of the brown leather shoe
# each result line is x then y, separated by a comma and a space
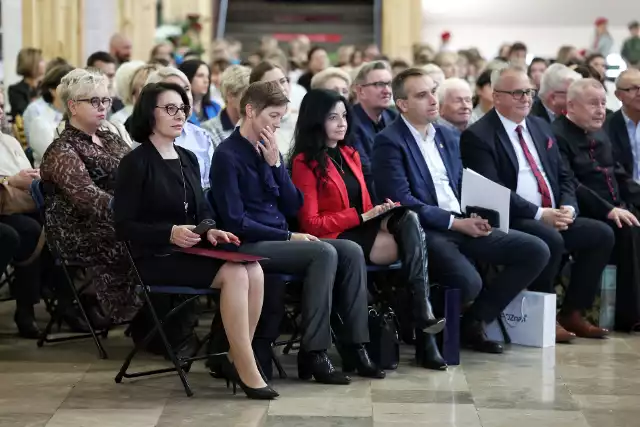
562, 335
576, 323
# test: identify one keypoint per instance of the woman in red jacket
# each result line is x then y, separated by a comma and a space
337, 205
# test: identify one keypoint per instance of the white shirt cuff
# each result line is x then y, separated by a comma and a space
538, 214
451, 221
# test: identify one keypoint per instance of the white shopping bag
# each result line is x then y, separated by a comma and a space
530, 319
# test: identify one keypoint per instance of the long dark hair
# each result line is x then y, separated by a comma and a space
142, 121
310, 138
190, 68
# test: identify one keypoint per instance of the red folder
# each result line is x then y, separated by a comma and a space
224, 255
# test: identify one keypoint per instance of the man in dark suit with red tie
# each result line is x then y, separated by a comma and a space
521, 153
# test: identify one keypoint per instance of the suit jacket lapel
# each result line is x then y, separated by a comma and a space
621, 128
444, 154
541, 143
419, 159
504, 139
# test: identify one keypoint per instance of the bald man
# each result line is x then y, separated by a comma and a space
120, 48
623, 126
520, 153
605, 191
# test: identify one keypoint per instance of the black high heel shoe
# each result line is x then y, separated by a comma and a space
427, 354
356, 359
231, 375
317, 364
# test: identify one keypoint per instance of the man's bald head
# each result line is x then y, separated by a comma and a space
120, 47
586, 104
628, 91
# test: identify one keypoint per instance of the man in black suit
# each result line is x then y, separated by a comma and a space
520, 153
552, 99
604, 191
623, 126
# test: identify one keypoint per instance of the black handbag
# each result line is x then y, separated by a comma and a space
384, 340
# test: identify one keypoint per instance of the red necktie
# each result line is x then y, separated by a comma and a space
542, 185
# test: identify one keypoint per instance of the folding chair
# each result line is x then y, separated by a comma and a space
53, 304
181, 365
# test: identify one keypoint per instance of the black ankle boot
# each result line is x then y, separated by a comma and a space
412, 245
317, 364
355, 358
427, 353
26, 322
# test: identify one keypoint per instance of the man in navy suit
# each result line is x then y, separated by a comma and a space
372, 113
418, 164
521, 153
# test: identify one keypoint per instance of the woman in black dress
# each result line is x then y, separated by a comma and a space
337, 205
158, 202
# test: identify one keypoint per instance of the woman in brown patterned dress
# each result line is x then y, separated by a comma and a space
78, 170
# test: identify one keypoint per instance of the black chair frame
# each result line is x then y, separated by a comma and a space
181, 365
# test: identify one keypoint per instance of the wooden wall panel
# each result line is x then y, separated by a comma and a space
56, 27
137, 20
401, 27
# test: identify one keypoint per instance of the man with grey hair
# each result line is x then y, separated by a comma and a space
605, 191
552, 101
623, 126
371, 112
455, 99
520, 153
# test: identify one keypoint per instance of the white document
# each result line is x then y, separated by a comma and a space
484, 193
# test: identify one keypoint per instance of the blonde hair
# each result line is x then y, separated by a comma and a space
28, 62
165, 73
320, 79
79, 83
435, 72
140, 77
124, 77
234, 81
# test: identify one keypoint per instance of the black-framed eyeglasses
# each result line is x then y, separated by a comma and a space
378, 85
631, 89
96, 102
172, 109
519, 94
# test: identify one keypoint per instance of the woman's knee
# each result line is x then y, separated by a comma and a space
254, 273
385, 249
233, 274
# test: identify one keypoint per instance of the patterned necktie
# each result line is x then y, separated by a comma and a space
542, 185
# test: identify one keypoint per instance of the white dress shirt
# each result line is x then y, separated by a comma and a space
199, 142
527, 182
41, 131
447, 199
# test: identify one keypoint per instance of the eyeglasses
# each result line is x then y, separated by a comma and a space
173, 109
519, 94
378, 85
631, 89
96, 102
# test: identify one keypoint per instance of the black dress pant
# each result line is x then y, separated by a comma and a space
589, 241
333, 270
19, 238
523, 257
626, 256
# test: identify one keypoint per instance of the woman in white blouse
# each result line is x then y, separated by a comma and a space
41, 129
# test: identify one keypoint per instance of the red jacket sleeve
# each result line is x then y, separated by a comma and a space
312, 221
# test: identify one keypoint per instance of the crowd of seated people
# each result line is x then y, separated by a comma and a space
322, 171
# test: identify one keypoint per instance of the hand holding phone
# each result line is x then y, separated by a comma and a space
202, 228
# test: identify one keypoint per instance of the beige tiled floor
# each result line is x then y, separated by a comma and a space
590, 383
